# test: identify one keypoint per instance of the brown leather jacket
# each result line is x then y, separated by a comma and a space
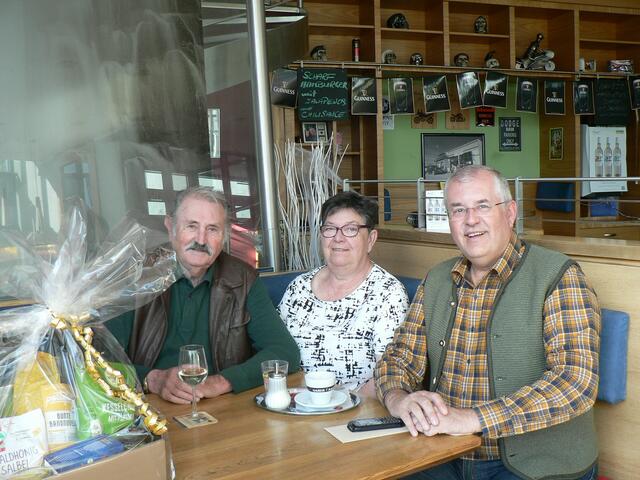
228, 318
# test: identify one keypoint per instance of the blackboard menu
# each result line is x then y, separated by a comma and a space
323, 94
612, 102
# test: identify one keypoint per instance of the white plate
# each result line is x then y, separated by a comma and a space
337, 398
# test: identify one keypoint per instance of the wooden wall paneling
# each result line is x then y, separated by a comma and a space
336, 12
404, 200
571, 132
420, 15
373, 141
513, 54
377, 23
557, 27
462, 17
463, 38
446, 29
618, 426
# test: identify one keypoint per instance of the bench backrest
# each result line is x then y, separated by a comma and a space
613, 337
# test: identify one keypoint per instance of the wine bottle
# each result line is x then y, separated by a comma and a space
617, 160
598, 159
608, 160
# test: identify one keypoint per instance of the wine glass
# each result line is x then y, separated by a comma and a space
193, 370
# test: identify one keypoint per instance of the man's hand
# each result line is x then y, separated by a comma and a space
419, 410
459, 421
426, 412
167, 384
368, 390
213, 386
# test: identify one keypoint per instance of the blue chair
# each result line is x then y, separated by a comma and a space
555, 196
277, 283
411, 284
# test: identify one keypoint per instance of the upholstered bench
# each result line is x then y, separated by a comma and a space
276, 284
613, 337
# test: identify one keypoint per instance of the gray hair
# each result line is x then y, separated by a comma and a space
469, 172
203, 193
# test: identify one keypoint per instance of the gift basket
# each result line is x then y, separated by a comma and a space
68, 394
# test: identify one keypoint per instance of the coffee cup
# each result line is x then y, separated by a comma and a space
320, 384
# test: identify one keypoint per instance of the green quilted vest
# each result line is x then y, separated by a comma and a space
516, 358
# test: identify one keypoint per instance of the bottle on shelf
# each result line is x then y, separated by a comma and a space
355, 49
617, 160
597, 159
608, 160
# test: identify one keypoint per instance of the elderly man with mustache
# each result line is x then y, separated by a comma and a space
219, 302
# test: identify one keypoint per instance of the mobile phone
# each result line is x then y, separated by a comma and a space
376, 423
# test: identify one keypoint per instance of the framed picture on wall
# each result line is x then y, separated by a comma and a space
443, 153
313, 132
555, 143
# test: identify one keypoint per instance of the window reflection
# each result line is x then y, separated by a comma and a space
153, 180
105, 101
179, 182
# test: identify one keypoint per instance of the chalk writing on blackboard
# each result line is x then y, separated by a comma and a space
322, 94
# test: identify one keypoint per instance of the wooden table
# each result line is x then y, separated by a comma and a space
249, 442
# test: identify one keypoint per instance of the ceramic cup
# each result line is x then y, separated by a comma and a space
320, 384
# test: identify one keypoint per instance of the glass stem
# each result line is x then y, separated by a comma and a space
194, 413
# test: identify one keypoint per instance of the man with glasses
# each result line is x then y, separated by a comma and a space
505, 339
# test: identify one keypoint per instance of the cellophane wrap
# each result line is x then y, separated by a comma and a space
64, 378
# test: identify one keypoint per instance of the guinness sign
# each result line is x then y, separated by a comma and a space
554, 97
284, 86
436, 94
495, 90
363, 96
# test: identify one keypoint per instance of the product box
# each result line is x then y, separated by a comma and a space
148, 462
437, 220
83, 453
604, 154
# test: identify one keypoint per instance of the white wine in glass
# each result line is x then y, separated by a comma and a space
193, 370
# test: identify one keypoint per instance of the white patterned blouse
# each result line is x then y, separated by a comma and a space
346, 336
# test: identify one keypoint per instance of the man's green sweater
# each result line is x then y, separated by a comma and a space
188, 323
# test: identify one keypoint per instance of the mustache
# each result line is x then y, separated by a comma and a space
200, 247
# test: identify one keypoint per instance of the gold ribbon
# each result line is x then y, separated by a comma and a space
114, 384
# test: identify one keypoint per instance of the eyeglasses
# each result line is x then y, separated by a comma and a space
482, 210
348, 230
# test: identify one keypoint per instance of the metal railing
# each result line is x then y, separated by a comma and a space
518, 184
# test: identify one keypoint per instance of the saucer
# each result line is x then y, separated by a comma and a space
303, 399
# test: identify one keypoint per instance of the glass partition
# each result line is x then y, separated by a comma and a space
102, 100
